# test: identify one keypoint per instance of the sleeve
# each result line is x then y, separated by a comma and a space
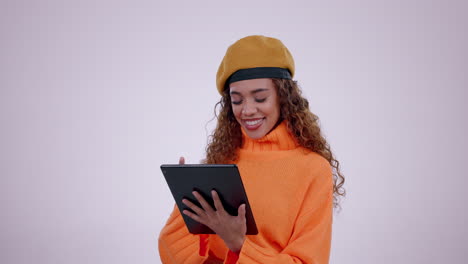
177, 245
311, 239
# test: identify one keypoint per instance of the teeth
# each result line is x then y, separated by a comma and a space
253, 123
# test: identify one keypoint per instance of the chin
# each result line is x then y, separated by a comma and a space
255, 134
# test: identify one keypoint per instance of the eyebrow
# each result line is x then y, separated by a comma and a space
253, 92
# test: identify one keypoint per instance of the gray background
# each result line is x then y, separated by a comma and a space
96, 95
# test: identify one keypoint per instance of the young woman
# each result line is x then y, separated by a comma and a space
290, 175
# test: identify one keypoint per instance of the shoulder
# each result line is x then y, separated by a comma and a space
312, 159
314, 164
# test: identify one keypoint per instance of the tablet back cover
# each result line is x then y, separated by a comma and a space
224, 178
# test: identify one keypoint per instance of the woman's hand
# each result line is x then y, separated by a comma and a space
231, 229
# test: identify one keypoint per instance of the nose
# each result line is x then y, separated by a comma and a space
249, 108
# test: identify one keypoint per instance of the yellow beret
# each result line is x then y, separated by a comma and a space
254, 52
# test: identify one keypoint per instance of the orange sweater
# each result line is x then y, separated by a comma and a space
290, 190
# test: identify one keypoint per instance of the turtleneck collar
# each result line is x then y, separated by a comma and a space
278, 139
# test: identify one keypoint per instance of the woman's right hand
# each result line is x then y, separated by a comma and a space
181, 160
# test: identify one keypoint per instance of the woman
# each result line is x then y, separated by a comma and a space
266, 128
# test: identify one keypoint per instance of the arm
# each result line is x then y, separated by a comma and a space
177, 245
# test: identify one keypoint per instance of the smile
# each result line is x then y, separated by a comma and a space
253, 124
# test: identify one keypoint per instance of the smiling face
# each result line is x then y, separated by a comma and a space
255, 104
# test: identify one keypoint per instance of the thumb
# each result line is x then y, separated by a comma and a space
181, 160
241, 212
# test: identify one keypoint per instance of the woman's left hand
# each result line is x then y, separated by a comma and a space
231, 229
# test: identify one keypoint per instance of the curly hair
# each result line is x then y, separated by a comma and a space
301, 122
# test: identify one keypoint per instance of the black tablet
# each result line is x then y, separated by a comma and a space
224, 178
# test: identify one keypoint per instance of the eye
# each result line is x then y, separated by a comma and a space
260, 100
237, 102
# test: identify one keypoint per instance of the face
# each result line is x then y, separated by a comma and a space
255, 104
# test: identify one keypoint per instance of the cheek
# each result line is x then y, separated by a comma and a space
272, 109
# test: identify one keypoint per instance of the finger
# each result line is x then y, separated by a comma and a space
217, 201
181, 160
193, 216
192, 206
207, 207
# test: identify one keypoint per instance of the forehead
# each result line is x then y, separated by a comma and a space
248, 86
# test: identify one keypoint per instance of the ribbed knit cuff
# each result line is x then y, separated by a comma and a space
231, 258
204, 239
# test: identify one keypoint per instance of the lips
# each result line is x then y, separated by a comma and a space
253, 124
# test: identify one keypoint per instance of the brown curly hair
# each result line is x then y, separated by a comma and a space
301, 122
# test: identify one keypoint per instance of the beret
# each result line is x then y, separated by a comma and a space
255, 57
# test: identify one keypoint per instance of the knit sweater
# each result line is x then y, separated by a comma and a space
290, 191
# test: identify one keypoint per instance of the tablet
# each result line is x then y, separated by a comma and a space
224, 178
